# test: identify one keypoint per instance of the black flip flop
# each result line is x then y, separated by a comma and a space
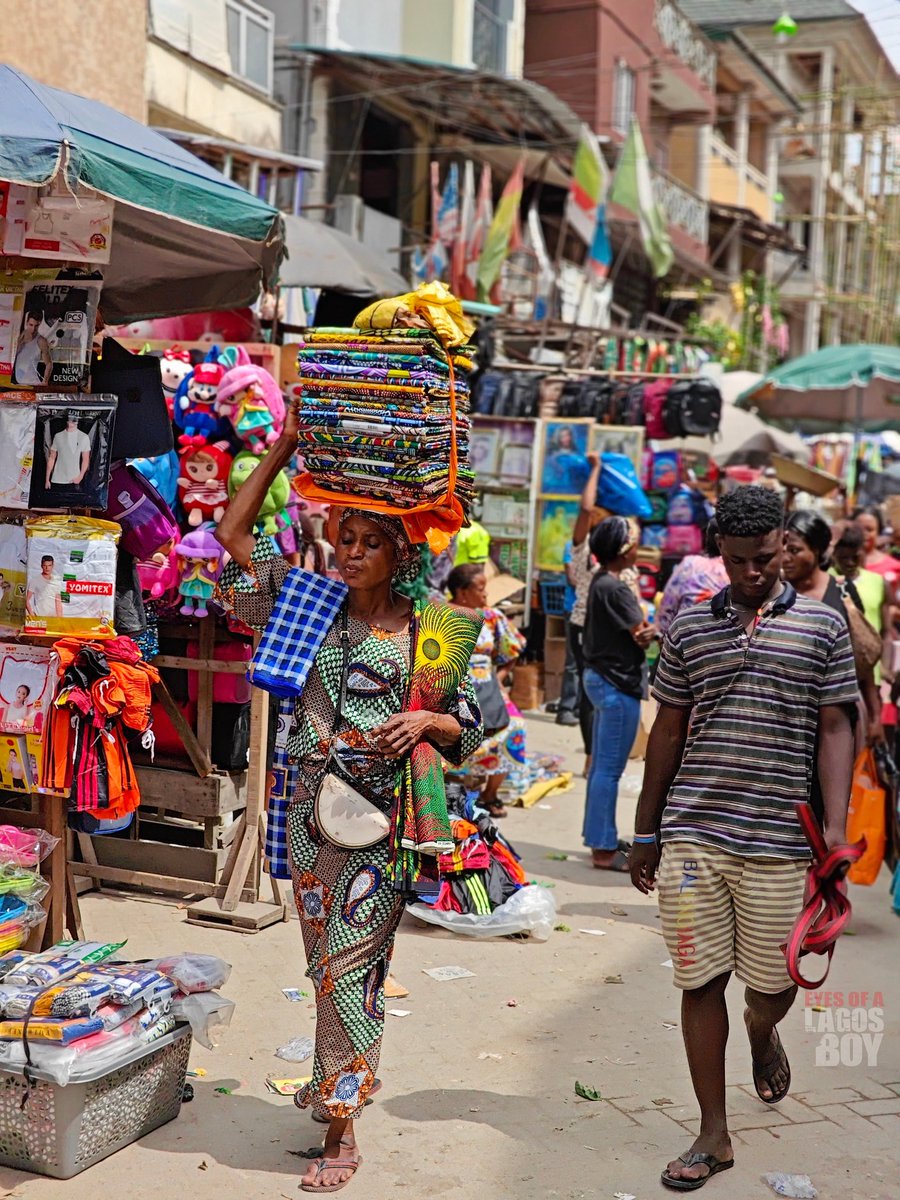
777, 1059
618, 863
695, 1158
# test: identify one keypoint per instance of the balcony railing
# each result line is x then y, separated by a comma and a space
682, 37
683, 208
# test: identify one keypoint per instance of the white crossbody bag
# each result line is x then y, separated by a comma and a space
344, 816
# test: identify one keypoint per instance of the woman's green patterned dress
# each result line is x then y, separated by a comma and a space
348, 909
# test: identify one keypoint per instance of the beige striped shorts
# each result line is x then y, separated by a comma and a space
721, 912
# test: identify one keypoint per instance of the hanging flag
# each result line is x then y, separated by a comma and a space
435, 197
543, 288
448, 208
587, 191
504, 233
632, 188
481, 223
599, 255
458, 280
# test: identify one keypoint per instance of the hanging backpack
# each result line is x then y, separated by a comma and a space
654, 401
693, 408
146, 520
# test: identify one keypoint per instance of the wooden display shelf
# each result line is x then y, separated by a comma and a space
227, 877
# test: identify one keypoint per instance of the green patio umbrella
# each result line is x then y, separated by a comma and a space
185, 238
853, 389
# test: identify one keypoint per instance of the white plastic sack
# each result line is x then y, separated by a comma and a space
209, 1015
529, 910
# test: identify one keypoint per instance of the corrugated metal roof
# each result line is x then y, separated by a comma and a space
728, 14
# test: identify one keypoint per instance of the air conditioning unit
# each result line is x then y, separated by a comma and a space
349, 215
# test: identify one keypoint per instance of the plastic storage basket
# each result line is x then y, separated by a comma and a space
553, 598
63, 1130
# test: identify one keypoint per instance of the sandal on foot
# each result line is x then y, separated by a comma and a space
373, 1092
695, 1158
332, 1164
763, 1072
618, 862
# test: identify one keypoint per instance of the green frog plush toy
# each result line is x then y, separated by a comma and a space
273, 517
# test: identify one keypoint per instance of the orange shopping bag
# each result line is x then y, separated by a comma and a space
865, 817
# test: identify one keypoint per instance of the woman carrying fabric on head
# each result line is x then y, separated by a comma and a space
375, 709
498, 647
615, 638
806, 567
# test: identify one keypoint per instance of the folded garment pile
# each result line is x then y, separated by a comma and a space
384, 415
483, 870
75, 1010
22, 887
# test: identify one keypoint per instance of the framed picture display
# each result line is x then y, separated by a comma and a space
556, 520
484, 453
564, 465
619, 439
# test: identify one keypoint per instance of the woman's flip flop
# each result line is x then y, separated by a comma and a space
331, 1164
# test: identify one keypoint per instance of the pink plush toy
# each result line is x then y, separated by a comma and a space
159, 574
252, 401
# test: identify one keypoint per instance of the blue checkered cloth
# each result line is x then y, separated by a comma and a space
304, 611
284, 774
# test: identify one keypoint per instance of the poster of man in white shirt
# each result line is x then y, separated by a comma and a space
70, 455
43, 596
72, 445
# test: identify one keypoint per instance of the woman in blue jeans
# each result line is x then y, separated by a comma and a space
615, 636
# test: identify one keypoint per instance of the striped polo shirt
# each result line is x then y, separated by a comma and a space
754, 699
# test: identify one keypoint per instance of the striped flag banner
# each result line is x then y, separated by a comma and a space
587, 191
504, 234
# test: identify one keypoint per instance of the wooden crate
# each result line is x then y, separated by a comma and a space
184, 793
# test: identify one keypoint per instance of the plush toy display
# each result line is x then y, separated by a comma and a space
159, 574
200, 565
162, 473
272, 515
196, 406
242, 399
203, 486
176, 366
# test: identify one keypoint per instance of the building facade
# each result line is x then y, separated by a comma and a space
837, 173
611, 59
58, 44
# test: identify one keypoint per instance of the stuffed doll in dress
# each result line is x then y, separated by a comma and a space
203, 482
200, 562
251, 400
273, 517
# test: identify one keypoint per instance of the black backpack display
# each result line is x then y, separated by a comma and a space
692, 408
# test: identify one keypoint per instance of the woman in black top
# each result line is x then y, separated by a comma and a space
615, 635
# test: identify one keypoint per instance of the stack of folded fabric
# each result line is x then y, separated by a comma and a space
378, 412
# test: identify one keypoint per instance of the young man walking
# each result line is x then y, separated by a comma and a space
753, 686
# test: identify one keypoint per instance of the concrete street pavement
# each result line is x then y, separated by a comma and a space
479, 1098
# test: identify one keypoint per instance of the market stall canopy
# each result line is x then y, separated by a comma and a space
319, 256
185, 238
835, 389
